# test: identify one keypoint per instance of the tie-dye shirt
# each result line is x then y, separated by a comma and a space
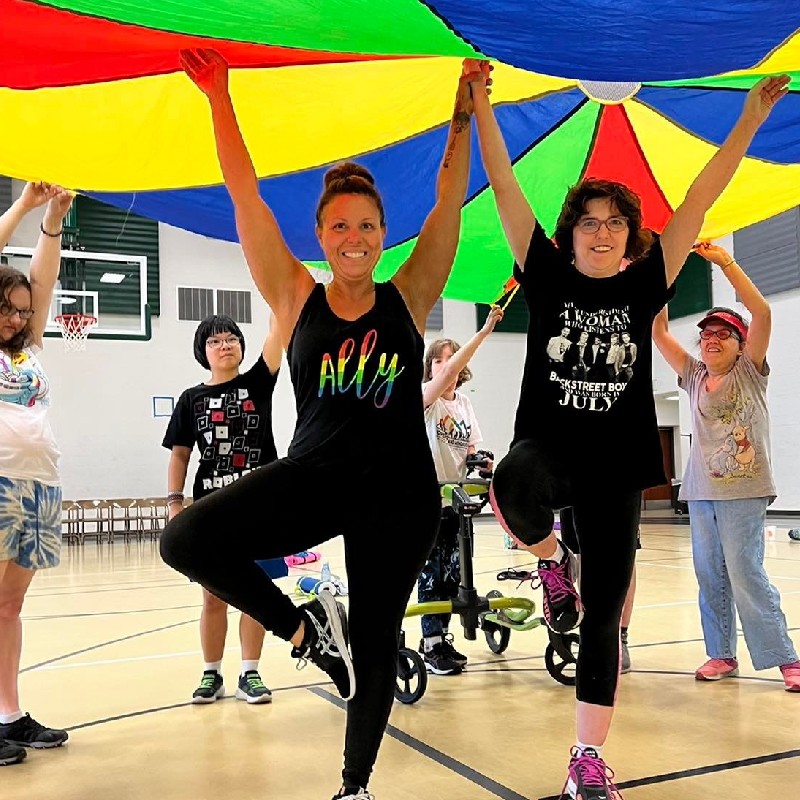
27, 446
358, 385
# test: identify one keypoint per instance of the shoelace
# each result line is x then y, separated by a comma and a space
207, 681
593, 771
255, 682
555, 583
325, 642
28, 723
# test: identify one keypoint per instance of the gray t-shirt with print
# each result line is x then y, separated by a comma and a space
730, 453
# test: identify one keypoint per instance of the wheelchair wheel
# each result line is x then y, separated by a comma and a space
497, 636
412, 677
560, 668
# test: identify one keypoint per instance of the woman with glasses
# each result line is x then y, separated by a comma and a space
229, 418
591, 444
30, 484
728, 479
355, 353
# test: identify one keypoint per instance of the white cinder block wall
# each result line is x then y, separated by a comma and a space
102, 399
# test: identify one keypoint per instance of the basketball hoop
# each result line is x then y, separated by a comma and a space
75, 329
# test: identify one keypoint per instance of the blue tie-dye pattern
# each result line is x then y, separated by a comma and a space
30, 523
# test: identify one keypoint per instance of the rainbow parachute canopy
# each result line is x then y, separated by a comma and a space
641, 92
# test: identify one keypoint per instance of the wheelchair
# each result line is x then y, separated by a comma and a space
494, 615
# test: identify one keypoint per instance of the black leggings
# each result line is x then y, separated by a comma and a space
528, 484
285, 508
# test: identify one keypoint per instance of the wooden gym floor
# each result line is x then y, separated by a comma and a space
111, 652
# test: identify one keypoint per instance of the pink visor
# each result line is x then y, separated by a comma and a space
722, 316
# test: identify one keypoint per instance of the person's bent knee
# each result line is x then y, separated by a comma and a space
516, 506
177, 542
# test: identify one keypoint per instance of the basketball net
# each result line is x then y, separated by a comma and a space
75, 330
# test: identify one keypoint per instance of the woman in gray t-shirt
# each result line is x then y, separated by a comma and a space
728, 480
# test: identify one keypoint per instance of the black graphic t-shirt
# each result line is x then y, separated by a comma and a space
231, 424
358, 386
587, 392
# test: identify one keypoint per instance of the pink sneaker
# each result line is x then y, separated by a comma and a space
717, 668
589, 777
791, 676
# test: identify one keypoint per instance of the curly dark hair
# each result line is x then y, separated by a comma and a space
211, 326
11, 279
626, 201
434, 350
349, 178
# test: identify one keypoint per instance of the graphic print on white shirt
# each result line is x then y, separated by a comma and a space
451, 427
592, 356
22, 380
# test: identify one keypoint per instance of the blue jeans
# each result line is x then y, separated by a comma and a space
728, 553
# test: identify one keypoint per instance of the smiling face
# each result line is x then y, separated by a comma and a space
351, 236
719, 355
599, 253
11, 323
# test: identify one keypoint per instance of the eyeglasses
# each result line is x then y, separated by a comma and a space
613, 224
7, 310
722, 334
215, 344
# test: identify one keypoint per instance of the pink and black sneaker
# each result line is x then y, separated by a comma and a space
561, 604
589, 777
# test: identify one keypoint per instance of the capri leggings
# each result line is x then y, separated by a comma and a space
528, 484
285, 507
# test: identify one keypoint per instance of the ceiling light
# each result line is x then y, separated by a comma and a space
112, 277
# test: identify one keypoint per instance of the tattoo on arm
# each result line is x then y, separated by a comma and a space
460, 124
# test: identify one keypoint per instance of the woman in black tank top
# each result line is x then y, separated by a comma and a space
355, 353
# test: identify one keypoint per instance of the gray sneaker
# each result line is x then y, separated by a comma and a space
624, 655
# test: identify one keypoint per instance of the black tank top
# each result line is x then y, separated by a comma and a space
358, 385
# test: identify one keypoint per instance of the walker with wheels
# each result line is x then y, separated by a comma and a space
495, 615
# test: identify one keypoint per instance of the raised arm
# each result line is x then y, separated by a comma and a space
46, 259
681, 231
435, 388
760, 329
669, 347
272, 350
516, 215
280, 277
423, 276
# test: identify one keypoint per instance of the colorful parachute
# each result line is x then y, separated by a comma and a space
93, 97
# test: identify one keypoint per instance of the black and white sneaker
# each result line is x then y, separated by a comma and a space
325, 642
252, 688
211, 688
27, 732
450, 650
11, 754
353, 793
438, 662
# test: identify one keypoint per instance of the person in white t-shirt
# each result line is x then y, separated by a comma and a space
453, 433
30, 487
